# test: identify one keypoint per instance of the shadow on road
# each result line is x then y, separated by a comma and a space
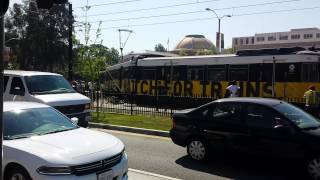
245, 167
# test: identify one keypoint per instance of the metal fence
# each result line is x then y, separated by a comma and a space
136, 104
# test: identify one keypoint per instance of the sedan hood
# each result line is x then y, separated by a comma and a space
70, 147
64, 99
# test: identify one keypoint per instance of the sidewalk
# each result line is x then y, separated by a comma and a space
143, 175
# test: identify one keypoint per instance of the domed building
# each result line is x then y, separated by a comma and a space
191, 44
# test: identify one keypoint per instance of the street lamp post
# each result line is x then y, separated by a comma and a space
219, 25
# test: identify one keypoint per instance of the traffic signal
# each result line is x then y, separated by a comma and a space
4, 7
47, 4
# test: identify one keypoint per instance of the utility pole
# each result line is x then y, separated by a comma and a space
1, 88
70, 66
3, 9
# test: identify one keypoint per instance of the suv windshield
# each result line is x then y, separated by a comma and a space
302, 119
30, 122
48, 84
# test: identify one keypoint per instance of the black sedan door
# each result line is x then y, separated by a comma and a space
264, 137
224, 126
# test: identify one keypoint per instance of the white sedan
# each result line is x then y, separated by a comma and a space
40, 143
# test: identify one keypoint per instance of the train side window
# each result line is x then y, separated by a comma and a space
267, 72
179, 72
195, 73
149, 74
238, 72
216, 74
125, 73
114, 74
310, 72
255, 72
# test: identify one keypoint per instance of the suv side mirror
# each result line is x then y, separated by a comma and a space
18, 91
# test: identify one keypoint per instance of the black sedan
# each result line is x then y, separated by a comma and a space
259, 126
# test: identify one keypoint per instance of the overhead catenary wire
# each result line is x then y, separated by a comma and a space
108, 4
154, 8
184, 13
186, 4
148, 17
210, 18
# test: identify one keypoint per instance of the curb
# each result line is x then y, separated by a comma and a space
130, 129
152, 174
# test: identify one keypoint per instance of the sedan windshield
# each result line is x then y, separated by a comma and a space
37, 121
302, 119
48, 84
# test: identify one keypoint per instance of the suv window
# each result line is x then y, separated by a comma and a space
17, 83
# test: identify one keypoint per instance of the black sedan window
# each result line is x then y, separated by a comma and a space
226, 111
260, 117
302, 119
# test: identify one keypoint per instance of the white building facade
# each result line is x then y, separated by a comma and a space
306, 37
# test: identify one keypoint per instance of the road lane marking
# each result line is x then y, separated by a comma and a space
133, 134
152, 174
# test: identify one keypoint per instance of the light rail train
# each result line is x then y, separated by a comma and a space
282, 73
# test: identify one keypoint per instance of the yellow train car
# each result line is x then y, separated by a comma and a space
278, 73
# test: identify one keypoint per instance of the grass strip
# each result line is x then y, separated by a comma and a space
139, 121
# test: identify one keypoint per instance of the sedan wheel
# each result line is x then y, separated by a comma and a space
197, 150
16, 173
18, 176
314, 168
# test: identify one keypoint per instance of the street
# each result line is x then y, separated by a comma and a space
159, 155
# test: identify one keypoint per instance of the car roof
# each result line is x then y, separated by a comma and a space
17, 105
262, 101
27, 73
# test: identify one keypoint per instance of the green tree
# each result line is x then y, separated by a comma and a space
93, 57
38, 38
160, 48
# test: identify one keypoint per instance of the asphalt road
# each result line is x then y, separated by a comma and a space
159, 155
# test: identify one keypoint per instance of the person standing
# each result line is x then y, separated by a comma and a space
233, 89
91, 90
311, 104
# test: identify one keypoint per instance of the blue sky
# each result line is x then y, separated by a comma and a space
145, 37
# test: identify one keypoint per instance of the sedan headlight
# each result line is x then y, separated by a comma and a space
54, 170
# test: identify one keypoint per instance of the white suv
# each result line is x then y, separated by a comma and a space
48, 88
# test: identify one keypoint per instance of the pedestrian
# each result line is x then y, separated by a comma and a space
311, 104
91, 91
74, 84
232, 89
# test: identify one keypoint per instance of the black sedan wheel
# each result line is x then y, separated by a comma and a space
197, 149
314, 168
